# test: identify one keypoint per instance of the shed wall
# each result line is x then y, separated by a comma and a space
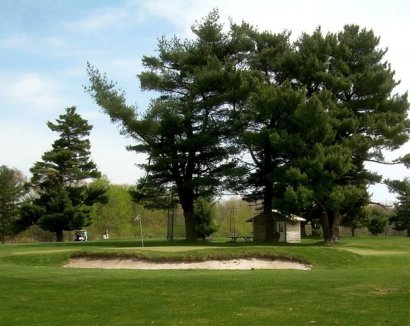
259, 229
293, 232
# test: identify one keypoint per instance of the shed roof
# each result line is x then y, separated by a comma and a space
293, 217
290, 217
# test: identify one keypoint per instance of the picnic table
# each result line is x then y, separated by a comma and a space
236, 237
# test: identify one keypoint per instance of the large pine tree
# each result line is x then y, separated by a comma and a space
324, 106
365, 116
63, 198
186, 131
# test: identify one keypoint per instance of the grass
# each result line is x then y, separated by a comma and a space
347, 286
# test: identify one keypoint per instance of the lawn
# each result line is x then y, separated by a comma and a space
363, 281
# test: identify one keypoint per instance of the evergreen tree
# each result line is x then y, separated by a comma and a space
377, 222
270, 107
346, 116
186, 131
204, 218
401, 218
12, 191
366, 117
63, 197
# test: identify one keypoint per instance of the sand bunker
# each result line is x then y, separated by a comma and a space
234, 264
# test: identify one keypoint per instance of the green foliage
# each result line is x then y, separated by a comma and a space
377, 222
62, 197
12, 191
152, 197
337, 112
355, 218
204, 218
186, 130
401, 218
307, 113
35, 234
114, 217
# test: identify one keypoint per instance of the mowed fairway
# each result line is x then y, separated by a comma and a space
363, 281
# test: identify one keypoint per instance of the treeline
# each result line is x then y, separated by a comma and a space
115, 219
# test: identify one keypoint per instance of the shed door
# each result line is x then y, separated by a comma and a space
281, 230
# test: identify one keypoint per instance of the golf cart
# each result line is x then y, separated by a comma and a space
80, 235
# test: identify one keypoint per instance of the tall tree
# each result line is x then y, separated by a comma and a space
12, 191
366, 117
185, 131
286, 128
401, 217
63, 197
325, 106
269, 108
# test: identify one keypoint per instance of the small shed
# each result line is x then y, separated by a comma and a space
258, 227
288, 227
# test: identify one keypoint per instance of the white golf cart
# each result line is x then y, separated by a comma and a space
80, 235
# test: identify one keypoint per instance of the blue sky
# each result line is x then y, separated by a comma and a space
45, 45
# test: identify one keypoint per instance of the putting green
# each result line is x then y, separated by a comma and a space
164, 248
372, 252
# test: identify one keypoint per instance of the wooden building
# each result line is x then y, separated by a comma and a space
289, 227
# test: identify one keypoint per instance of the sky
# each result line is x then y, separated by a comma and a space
46, 44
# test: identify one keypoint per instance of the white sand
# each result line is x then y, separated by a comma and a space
243, 264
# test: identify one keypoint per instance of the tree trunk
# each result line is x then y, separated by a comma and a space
59, 236
270, 225
186, 197
330, 225
303, 230
335, 234
326, 226
2, 237
408, 231
190, 227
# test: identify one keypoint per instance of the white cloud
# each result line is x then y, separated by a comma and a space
106, 18
34, 44
181, 13
296, 15
16, 41
103, 18
110, 154
26, 142
31, 91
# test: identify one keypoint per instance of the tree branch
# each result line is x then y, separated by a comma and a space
381, 205
385, 163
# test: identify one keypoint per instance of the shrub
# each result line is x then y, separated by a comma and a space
377, 224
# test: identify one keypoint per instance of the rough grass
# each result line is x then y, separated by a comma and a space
344, 288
